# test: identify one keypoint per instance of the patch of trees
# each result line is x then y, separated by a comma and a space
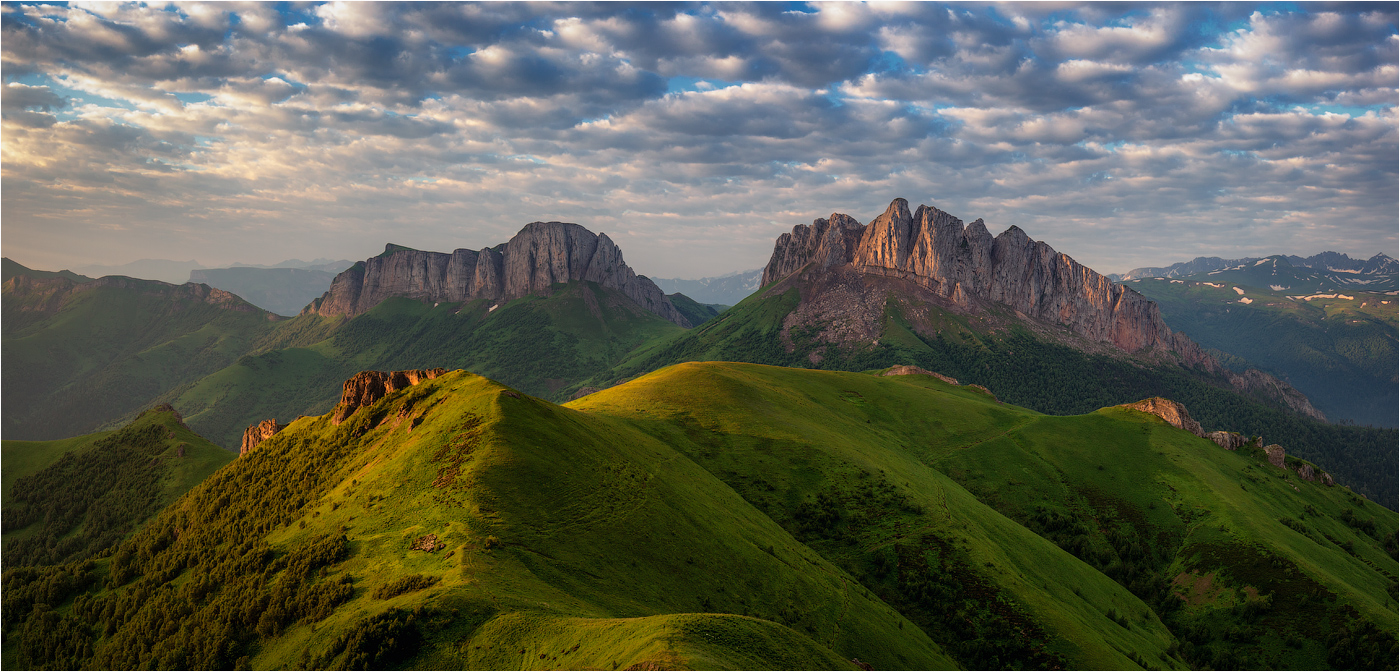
198, 586
89, 499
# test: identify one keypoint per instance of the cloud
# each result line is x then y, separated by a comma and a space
693, 134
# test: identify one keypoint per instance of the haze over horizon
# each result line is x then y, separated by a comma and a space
693, 135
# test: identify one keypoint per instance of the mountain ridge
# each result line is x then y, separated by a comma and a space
540, 255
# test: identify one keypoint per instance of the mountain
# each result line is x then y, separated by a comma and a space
1337, 347
727, 515
539, 256
540, 344
72, 499
725, 290
319, 264
1328, 271
164, 270
13, 268
1008, 313
693, 312
284, 291
83, 356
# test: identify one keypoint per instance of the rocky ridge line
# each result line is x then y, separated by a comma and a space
541, 254
367, 387
966, 266
1175, 414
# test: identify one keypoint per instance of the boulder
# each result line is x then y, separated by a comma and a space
1275, 453
1228, 440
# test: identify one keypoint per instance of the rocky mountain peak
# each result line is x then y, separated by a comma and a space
965, 269
540, 255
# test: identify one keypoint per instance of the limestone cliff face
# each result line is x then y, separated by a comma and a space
367, 387
967, 267
258, 433
541, 254
965, 264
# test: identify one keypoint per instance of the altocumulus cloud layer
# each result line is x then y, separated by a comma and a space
693, 134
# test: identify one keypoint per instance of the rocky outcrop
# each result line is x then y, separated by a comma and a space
1326, 479
368, 387
1275, 455
909, 370
1174, 413
540, 255
1228, 440
1306, 472
967, 267
258, 433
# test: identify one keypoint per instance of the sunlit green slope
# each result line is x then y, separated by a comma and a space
1249, 565
73, 498
538, 344
1021, 367
460, 524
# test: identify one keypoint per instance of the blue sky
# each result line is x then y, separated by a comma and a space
693, 134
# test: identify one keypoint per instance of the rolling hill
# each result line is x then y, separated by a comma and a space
728, 516
74, 498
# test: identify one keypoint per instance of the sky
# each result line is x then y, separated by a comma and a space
1123, 135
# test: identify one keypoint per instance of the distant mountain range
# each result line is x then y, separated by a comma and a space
1328, 327
178, 272
1325, 271
727, 289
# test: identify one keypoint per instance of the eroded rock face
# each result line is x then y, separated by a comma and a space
1275, 453
1326, 479
541, 254
1306, 472
1174, 413
909, 370
258, 433
1228, 440
967, 267
368, 387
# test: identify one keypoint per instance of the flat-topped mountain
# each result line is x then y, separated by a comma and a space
542, 254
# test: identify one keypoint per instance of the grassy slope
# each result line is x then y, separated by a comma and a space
109, 352
694, 312
49, 477
9, 269
569, 540
1025, 370
1340, 352
1150, 489
537, 344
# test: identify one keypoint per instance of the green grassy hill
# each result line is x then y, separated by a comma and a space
1339, 348
80, 357
540, 345
73, 498
1023, 368
729, 516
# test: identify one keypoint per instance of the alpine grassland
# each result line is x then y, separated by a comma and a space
1025, 368
722, 515
75, 498
556, 538
537, 344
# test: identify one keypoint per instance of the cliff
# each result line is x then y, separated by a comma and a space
367, 387
965, 267
965, 264
258, 433
541, 254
